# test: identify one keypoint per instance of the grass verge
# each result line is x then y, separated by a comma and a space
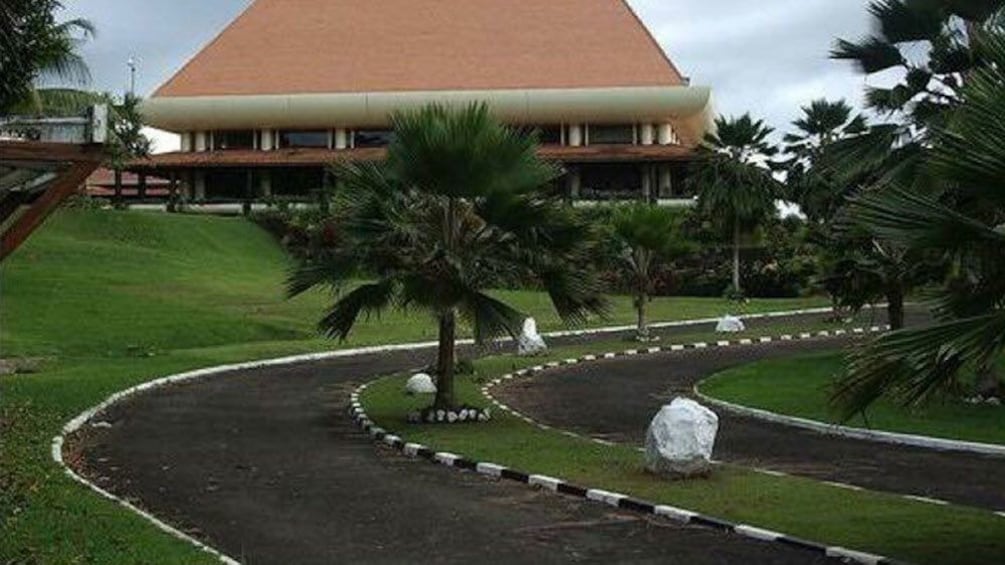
800, 386
867, 521
106, 300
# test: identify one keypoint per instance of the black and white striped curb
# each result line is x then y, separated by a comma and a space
74, 425
819, 427
617, 500
532, 371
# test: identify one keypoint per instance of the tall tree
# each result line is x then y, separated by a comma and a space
459, 206
36, 46
736, 190
648, 237
964, 224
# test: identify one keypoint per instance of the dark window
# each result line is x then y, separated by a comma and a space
373, 138
226, 185
316, 139
610, 181
297, 182
236, 139
612, 135
550, 135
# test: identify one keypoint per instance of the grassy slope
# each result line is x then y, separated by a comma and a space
868, 521
114, 299
800, 386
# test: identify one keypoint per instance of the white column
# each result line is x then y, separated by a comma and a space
575, 183
575, 135
647, 134
201, 141
265, 184
186, 141
341, 139
647, 183
665, 182
331, 139
200, 185
268, 143
666, 134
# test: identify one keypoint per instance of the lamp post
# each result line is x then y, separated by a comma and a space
132, 76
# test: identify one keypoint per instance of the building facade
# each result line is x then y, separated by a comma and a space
292, 86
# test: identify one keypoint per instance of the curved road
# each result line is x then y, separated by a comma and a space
265, 466
616, 399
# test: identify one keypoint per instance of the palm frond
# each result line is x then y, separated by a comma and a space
911, 365
367, 299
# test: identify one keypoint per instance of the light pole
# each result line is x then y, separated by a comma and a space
132, 76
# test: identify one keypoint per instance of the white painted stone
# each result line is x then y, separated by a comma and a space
531, 342
421, 383
730, 324
681, 438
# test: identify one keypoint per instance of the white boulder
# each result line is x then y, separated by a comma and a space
531, 342
420, 384
681, 438
730, 324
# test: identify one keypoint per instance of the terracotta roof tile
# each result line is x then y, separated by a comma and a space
331, 46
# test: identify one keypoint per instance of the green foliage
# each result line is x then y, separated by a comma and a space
963, 225
648, 236
881, 523
37, 46
458, 207
800, 386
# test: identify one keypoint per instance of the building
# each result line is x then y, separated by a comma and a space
293, 85
133, 187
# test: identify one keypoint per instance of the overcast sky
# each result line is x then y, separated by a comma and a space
763, 56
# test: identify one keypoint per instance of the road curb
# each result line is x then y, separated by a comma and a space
622, 501
77, 423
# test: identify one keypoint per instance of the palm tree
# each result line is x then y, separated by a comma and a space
816, 191
734, 186
458, 207
648, 236
38, 47
964, 226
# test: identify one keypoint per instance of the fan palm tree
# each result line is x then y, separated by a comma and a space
823, 123
969, 157
648, 236
458, 207
38, 47
734, 187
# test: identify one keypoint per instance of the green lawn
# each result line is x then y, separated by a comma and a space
110, 299
800, 386
867, 521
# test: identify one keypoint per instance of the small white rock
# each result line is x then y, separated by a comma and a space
530, 342
451, 417
730, 324
421, 383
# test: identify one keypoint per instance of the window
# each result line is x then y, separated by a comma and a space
610, 181
549, 135
305, 139
297, 182
226, 186
234, 139
373, 138
612, 135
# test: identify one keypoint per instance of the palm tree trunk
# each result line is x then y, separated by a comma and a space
988, 383
643, 326
445, 361
736, 256
117, 200
895, 305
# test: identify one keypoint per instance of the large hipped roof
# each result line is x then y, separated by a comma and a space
352, 46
